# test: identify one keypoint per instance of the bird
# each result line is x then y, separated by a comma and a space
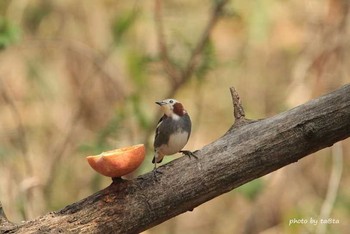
172, 132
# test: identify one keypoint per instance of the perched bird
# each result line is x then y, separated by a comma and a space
173, 131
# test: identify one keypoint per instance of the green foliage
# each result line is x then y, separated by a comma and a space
36, 14
138, 112
9, 33
343, 202
289, 217
259, 21
39, 83
217, 2
95, 183
208, 61
3, 6
252, 189
3, 152
137, 67
100, 143
122, 24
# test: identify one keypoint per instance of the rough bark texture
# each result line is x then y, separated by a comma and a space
250, 149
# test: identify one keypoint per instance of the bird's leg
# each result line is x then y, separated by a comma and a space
155, 171
189, 153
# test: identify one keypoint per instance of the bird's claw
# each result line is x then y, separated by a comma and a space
155, 172
189, 153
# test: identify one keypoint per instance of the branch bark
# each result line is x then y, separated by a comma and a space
247, 151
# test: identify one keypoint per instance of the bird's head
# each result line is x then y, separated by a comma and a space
172, 108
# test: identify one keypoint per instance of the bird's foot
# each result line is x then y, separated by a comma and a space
189, 153
155, 172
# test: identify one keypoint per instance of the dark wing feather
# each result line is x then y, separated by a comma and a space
158, 137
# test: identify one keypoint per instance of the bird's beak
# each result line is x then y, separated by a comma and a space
160, 103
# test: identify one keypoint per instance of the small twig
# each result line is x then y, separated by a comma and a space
181, 76
169, 67
22, 136
195, 56
333, 185
238, 110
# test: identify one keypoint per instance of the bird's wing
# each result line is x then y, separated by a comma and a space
156, 138
160, 122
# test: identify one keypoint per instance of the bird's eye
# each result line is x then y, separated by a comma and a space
171, 101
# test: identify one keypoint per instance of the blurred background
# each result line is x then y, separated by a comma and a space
81, 77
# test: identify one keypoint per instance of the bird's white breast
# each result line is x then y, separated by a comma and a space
176, 143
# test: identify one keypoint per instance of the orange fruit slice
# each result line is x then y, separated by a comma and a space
118, 162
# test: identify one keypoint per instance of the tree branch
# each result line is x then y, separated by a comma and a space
22, 136
246, 152
197, 51
168, 65
178, 75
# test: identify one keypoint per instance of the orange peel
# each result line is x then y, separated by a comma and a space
118, 162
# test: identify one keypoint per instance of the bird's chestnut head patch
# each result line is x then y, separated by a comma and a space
179, 109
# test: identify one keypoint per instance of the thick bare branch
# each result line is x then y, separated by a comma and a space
244, 153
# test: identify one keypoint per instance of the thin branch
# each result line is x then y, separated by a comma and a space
22, 135
238, 110
169, 67
181, 76
333, 185
328, 40
194, 59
